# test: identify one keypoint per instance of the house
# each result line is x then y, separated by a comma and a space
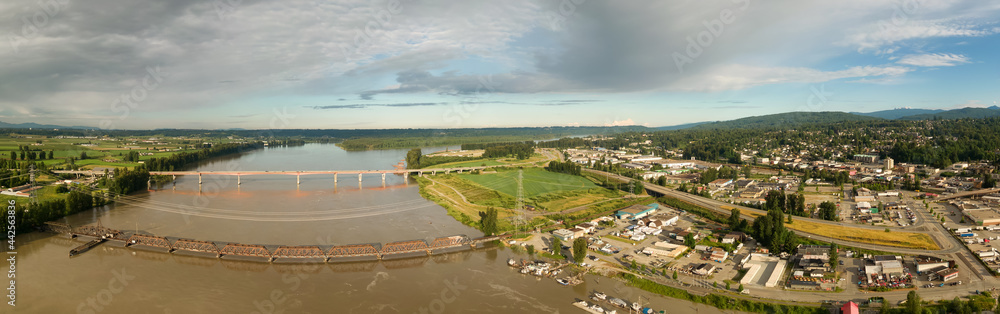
637, 211
720, 184
563, 234
702, 248
734, 237
719, 255
577, 232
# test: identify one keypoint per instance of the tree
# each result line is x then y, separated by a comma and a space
557, 245
734, 218
637, 187
13, 155
579, 249
531, 249
413, 158
913, 305
675, 276
885, 308
741, 288
833, 255
828, 211
727, 286
51, 155
83, 155
488, 221
689, 240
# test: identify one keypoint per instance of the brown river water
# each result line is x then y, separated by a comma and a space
273, 210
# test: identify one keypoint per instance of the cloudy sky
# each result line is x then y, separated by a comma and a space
142, 64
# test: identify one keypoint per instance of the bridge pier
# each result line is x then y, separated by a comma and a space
359, 178
238, 181
199, 178
149, 184
298, 179
421, 173
383, 178
334, 178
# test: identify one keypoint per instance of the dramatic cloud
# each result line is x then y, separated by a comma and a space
90, 62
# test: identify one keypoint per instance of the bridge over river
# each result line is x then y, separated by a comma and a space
270, 253
297, 173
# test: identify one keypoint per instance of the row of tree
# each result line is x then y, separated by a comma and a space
176, 161
32, 155
567, 167
517, 150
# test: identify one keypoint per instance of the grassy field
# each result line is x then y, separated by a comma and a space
878, 237
535, 181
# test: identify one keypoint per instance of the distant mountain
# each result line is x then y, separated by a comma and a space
785, 120
681, 126
5, 125
957, 114
898, 113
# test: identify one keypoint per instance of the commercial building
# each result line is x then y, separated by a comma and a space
563, 234
948, 274
982, 216
637, 211
930, 263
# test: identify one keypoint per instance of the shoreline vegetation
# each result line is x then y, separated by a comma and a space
54, 203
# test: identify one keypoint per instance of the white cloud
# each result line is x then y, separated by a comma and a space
884, 32
621, 122
934, 60
734, 77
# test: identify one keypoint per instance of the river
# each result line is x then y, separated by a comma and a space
273, 209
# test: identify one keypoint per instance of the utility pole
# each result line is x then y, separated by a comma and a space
31, 176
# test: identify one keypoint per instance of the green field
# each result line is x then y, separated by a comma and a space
473, 163
536, 182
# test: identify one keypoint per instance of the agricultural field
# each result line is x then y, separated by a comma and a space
535, 181
878, 237
101, 152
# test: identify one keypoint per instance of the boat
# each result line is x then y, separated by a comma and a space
618, 302
597, 308
599, 295
564, 282
511, 262
636, 306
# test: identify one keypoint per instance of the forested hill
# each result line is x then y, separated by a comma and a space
784, 120
957, 114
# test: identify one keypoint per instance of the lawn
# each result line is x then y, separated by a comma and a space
870, 236
535, 181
